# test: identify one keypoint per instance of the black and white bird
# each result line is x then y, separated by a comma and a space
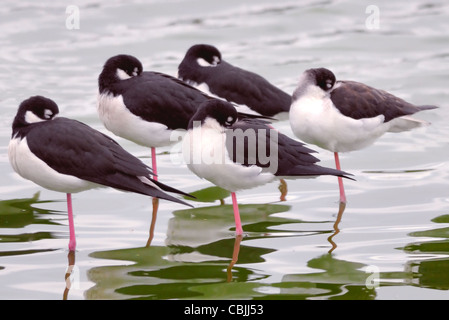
65, 155
343, 116
142, 106
204, 68
235, 153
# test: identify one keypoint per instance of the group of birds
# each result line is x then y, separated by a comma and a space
209, 100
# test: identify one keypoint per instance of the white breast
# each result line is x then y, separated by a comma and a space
205, 154
30, 167
315, 120
123, 123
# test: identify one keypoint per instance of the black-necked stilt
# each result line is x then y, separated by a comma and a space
343, 116
144, 107
68, 156
241, 154
204, 68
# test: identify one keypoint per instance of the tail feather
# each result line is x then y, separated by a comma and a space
170, 189
162, 195
406, 123
314, 171
157, 189
427, 107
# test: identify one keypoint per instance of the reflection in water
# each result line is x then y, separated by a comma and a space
19, 213
431, 270
202, 259
175, 272
341, 209
220, 266
186, 273
68, 277
153, 221
235, 256
197, 226
209, 194
283, 189
338, 279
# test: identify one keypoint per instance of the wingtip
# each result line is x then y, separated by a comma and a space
428, 107
347, 176
174, 199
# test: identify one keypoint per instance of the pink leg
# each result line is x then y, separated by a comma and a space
238, 222
340, 179
155, 200
72, 241
153, 161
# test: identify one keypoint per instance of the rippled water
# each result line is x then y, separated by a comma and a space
391, 241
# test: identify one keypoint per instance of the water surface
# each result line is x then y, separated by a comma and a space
390, 242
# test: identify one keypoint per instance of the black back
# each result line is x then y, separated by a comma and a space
233, 84
158, 97
73, 148
249, 142
357, 100
153, 96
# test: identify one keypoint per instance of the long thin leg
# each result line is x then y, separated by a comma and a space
155, 200
340, 179
72, 241
283, 185
153, 162
238, 222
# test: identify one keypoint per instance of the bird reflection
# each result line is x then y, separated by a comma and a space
283, 189
235, 257
341, 209
68, 277
153, 221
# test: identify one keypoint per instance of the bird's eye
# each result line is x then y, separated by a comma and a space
230, 120
215, 61
48, 114
328, 84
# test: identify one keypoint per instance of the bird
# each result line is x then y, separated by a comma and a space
65, 155
204, 68
237, 153
343, 116
152, 109
143, 106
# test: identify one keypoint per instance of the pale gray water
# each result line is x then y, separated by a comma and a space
396, 221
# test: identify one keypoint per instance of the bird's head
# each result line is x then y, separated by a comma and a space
33, 110
119, 68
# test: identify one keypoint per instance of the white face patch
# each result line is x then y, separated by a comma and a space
136, 71
31, 117
204, 63
229, 120
122, 75
48, 114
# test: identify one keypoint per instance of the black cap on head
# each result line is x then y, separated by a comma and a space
324, 78
128, 64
